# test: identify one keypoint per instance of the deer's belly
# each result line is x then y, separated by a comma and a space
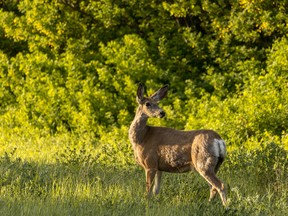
176, 169
175, 159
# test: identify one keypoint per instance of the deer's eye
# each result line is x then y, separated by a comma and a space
147, 104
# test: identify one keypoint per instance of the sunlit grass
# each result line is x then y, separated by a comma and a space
44, 176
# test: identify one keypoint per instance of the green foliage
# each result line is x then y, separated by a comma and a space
68, 76
18, 175
72, 66
257, 109
114, 150
269, 162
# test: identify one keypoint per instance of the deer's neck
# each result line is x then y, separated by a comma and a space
138, 128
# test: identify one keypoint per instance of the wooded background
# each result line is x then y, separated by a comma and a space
72, 66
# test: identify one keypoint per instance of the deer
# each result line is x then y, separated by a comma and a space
162, 149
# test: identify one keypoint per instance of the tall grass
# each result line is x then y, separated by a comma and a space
70, 181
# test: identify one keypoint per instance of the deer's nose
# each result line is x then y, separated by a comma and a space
162, 114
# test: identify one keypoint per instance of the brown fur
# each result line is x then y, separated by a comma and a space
159, 149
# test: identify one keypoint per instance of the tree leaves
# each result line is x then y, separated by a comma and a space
72, 65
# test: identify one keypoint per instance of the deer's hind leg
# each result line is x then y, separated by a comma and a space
207, 169
213, 190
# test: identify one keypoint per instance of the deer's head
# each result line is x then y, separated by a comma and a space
149, 105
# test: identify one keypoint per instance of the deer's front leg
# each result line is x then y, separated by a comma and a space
157, 181
150, 175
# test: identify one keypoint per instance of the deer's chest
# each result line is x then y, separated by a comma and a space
146, 158
138, 154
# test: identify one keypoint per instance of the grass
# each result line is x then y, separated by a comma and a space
69, 182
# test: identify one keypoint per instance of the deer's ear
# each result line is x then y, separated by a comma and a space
140, 93
160, 94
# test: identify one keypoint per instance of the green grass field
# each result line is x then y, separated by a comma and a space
61, 181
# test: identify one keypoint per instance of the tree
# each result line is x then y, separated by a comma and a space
73, 66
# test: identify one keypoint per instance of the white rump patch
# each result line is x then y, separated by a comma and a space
219, 148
